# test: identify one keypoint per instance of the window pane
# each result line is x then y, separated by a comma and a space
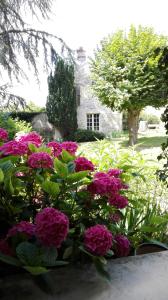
96, 122
89, 121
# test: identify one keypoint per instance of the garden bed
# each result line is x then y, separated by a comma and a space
140, 277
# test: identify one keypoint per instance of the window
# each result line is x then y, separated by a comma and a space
93, 122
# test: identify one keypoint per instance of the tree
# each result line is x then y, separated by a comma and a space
61, 101
127, 75
17, 40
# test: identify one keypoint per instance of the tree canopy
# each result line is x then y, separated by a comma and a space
18, 39
61, 102
127, 75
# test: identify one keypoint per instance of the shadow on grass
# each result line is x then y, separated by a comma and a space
147, 142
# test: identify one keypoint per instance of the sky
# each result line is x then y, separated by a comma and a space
86, 23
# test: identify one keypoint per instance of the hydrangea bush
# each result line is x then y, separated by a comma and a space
56, 208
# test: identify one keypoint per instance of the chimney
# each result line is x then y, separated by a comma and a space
81, 54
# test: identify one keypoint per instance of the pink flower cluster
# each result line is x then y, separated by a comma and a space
5, 248
115, 217
13, 148
30, 138
103, 184
122, 246
40, 160
114, 172
83, 164
71, 147
24, 227
3, 135
56, 148
51, 227
118, 201
98, 240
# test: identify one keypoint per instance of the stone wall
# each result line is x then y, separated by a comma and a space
89, 104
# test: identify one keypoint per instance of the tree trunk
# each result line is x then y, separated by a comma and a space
133, 125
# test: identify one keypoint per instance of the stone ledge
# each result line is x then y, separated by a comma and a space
142, 277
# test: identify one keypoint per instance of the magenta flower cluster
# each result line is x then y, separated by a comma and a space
3, 135
30, 138
117, 200
122, 245
98, 240
71, 147
103, 184
51, 227
83, 164
23, 227
13, 148
109, 184
40, 160
56, 148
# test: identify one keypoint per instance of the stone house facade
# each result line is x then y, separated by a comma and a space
91, 114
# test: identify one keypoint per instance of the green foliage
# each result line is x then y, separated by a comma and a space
61, 101
13, 126
163, 173
148, 218
128, 74
84, 135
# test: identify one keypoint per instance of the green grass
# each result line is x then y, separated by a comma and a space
145, 142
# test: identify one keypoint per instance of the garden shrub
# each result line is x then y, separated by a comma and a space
148, 218
163, 173
84, 135
13, 126
58, 207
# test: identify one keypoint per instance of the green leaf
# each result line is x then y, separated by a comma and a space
76, 176
100, 269
49, 256
61, 263
28, 254
1, 176
85, 251
32, 148
8, 185
61, 168
66, 156
52, 188
67, 252
36, 270
158, 220
148, 228
9, 260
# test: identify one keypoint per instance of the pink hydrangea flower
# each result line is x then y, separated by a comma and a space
122, 246
30, 138
5, 248
98, 240
103, 184
118, 201
40, 160
51, 227
13, 148
71, 147
24, 227
3, 135
115, 218
114, 172
56, 148
83, 164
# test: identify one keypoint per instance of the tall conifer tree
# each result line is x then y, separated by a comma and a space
61, 101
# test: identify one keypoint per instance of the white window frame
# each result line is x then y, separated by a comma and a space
93, 121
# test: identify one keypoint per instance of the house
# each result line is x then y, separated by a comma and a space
91, 114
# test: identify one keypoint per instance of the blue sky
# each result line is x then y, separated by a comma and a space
85, 23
